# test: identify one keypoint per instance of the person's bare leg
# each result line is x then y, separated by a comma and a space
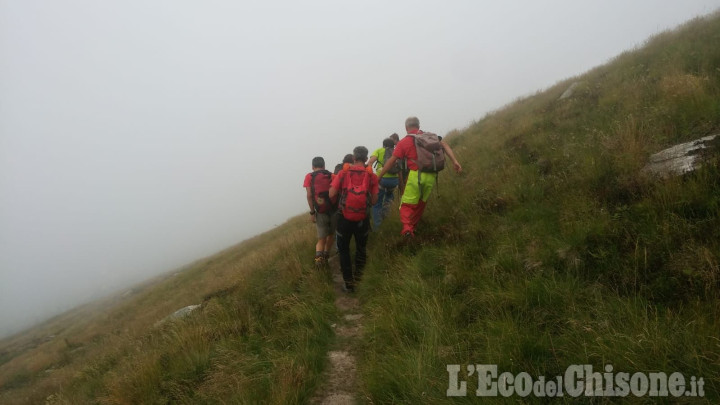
329, 242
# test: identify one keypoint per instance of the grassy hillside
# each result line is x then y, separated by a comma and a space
551, 249
554, 249
260, 335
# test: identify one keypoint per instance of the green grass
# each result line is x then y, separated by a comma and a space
261, 335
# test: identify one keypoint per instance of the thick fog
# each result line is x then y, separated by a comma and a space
137, 136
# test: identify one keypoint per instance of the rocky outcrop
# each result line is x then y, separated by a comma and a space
682, 158
569, 92
179, 314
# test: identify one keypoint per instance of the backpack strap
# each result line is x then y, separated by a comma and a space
312, 189
405, 167
368, 195
420, 190
346, 183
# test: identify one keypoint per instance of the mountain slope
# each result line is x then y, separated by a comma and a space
261, 334
554, 248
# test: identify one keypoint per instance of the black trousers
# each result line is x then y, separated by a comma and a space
346, 230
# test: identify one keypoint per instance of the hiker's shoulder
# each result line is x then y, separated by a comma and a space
378, 151
339, 176
405, 144
308, 177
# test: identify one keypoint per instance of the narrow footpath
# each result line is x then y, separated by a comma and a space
340, 379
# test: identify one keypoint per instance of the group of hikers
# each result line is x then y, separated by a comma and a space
343, 203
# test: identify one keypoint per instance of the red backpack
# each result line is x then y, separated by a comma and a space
319, 187
355, 195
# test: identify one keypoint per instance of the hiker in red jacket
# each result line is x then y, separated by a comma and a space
322, 208
357, 186
420, 181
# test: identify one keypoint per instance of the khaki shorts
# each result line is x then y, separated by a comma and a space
326, 224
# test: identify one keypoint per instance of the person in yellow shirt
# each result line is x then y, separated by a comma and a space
388, 183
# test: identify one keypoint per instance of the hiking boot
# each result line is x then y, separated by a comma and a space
320, 262
408, 240
348, 288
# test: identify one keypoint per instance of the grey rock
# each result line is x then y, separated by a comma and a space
569, 92
179, 314
183, 312
680, 159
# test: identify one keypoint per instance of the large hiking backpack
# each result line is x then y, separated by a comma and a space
355, 198
320, 187
431, 155
395, 169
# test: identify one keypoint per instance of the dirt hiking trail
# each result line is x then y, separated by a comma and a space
340, 379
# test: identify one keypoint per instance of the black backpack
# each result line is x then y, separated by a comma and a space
395, 169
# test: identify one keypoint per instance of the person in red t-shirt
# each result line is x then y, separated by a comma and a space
326, 219
417, 189
354, 220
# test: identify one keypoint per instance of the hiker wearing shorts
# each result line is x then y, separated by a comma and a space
357, 187
388, 183
322, 209
419, 183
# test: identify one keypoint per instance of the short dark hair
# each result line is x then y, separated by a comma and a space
395, 137
387, 143
360, 154
318, 162
348, 158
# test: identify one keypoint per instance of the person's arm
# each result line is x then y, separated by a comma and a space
449, 152
374, 193
388, 164
401, 182
311, 203
335, 186
372, 160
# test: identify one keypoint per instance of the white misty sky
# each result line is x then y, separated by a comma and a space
136, 136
